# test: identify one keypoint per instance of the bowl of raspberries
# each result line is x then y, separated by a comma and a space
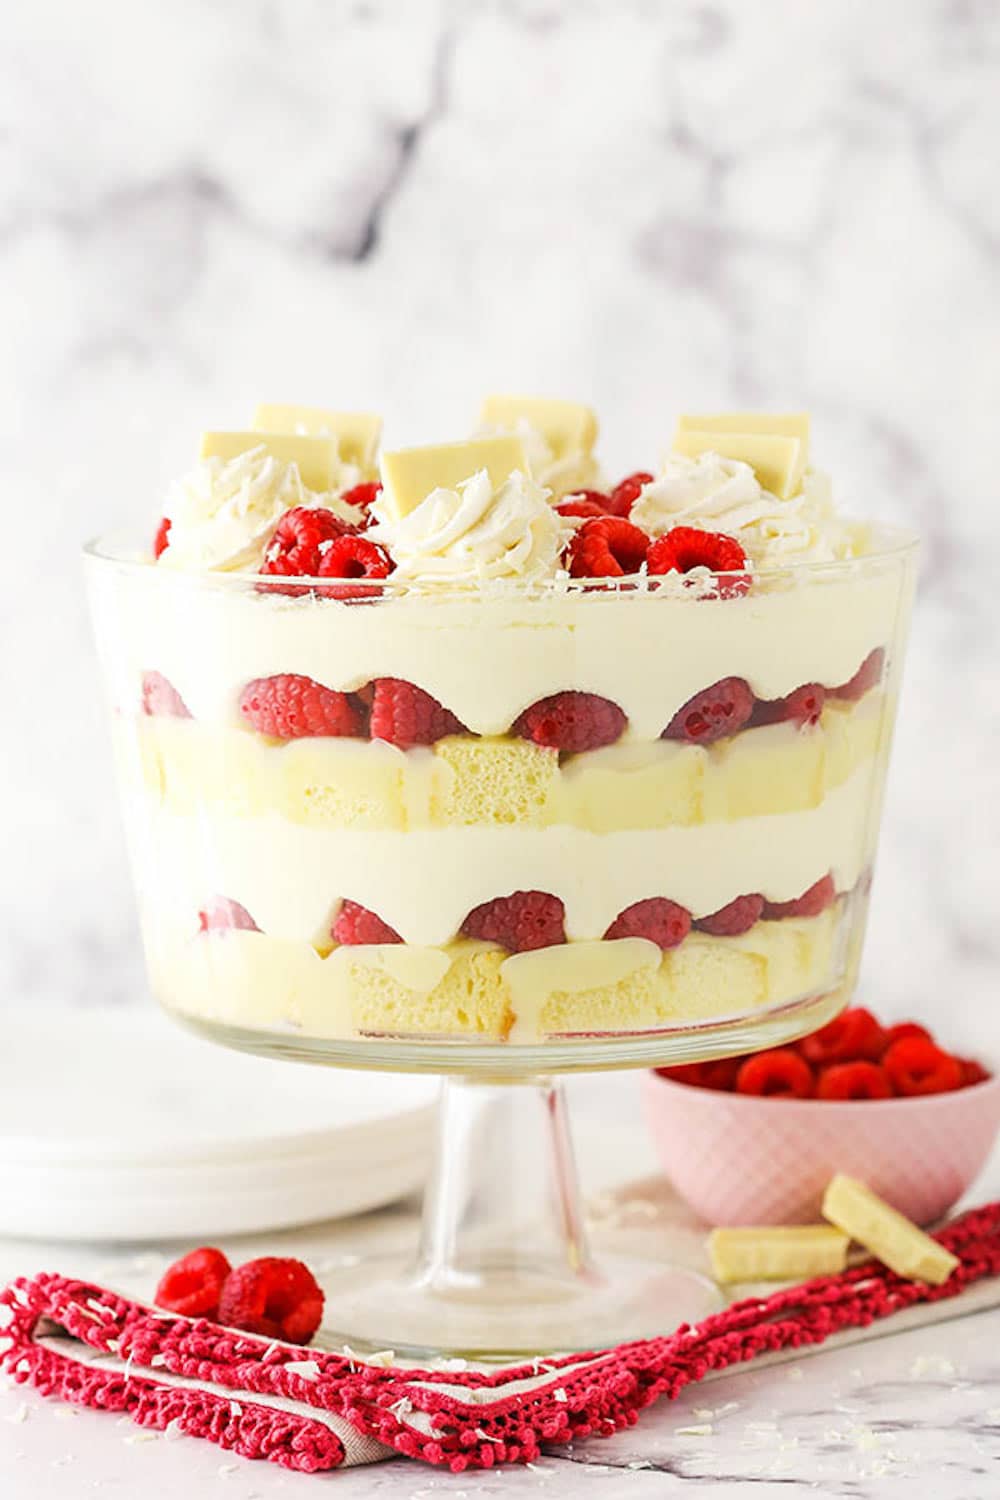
755, 1139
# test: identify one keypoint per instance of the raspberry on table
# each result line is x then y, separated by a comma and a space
810, 904
520, 922
626, 493
294, 550
684, 548
719, 1074
224, 915
355, 926
192, 1285
853, 1036
661, 921
972, 1072
275, 1296
713, 713
161, 540
362, 495
571, 722
291, 707
904, 1029
733, 919
777, 1074
607, 547
160, 699
868, 675
352, 557
404, 715
915, 1066
853, 1080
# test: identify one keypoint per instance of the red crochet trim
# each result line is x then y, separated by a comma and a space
608, 1392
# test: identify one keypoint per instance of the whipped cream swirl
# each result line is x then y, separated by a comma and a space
724, 494
474, 533
223, 513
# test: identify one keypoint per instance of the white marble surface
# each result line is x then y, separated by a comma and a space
877, 1421
650, 205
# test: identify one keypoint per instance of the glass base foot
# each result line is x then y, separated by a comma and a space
509, 1314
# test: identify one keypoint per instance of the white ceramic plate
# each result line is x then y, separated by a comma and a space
117, 1125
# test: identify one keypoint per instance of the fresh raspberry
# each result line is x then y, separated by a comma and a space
853, 1080
290, 707
571, 722
607, 547
866, 677
903, 1029
161, 540
625, 494
362, 495
685, 548
223, 915
713, 713
734, 918
972, 1072
719, 1075
777, 1074
354, 557
160, 699
294, 550
193, 1284
519, 923
813, 901
356, 925
803, 706
661, 921
853, 1036
915, 1066
585, 509
275, 1296
404, 715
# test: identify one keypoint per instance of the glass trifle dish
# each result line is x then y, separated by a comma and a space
459, 758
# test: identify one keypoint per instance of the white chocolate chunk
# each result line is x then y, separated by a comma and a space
567, 426
410, 474
316, 457
777, 461
885, 1232
357, 432
777, 1254
794, 424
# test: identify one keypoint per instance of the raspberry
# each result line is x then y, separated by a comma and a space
972, 1072
625, 494
352, 557
161, 540
853, 1036
719, 1075
519, 922
684, 548
362, 495
356, 925
192, 1285
405, 715
733, 919
813, 901
868, 674
915, 1066
223, 915
607, 547
294, 550
803, 706
571, 722
275, 1296
713, 713
160, 699
853, 1080
905, 1029
290, 707
777, 1074
661, 921
586, 509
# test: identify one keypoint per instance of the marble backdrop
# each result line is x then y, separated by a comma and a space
647, 205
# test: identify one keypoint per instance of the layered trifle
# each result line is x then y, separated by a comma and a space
466, 742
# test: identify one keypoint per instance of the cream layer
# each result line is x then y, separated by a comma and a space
425, 882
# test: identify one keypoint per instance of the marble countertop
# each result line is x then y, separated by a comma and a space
868, 1420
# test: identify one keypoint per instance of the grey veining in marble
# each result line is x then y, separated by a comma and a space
649, 205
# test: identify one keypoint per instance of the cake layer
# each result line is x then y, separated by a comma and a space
334, 783
423, 883
490, 657
469, 989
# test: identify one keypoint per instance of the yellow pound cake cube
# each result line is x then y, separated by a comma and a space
494, 781
775, 769
334, 783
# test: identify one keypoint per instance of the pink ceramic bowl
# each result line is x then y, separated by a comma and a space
742, 1159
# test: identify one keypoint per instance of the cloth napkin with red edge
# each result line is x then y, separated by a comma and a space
312, 1410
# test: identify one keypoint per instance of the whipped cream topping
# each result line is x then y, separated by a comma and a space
475, 533
563, 476
724, 494
223, 512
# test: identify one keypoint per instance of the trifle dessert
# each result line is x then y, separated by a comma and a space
468, 742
